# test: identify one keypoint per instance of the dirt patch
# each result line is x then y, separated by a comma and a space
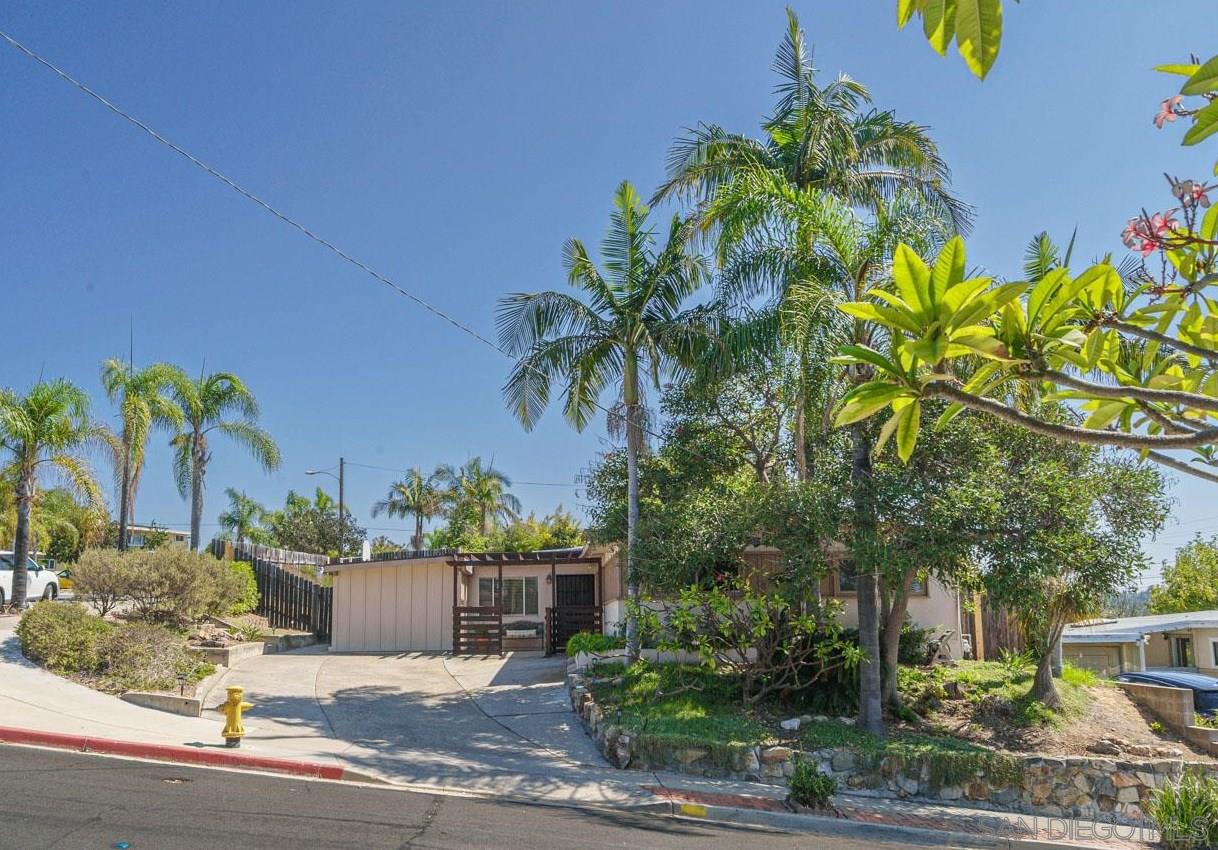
1110, 714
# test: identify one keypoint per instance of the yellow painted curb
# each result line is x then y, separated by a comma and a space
693, 810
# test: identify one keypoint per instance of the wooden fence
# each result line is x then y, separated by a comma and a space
477, 630
566, 621
287, 596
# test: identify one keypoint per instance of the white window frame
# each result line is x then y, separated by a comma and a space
508, 610
1214, 651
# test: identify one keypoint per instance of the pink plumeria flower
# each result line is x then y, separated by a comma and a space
1167, 111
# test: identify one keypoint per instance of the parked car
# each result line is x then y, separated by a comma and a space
1204, 688
42, 583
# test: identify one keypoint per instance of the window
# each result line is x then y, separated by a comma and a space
847, 580
519, 595
1214, 650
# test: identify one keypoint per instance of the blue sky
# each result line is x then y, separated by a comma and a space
454, 146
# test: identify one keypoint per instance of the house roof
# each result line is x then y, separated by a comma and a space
1129, 629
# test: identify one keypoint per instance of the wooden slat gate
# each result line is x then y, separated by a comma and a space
287, 599
566, 621
477, 630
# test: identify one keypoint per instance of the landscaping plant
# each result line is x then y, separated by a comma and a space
1186, 813
62, 636
593, 642
809, 787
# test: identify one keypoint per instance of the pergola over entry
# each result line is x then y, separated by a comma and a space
574, 606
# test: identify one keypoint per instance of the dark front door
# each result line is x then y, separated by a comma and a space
577, 590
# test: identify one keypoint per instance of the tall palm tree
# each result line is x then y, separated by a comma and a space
219, 403
47, 428
417, 495
627, 332
243, 516
819, 137
480, 489
144, 403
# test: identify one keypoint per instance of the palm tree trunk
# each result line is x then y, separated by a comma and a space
124, 499
871, 715
21, 541
418, 533
634, 440
198, 470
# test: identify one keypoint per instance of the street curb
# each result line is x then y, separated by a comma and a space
847, 828
182, 754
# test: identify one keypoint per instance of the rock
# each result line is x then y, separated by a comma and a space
1168, 752
849, 721
1141, 750
842, 760
749, 763
1081, 782
907, 785
1006, 796
1128, 795
790, 725
805, 718
1105, 747
820, 718
690, 755
1124, 780
1041, 792
953, 690
775, 755
978, 790
951, 792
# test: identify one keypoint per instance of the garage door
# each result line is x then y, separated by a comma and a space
405, 607
1104, 660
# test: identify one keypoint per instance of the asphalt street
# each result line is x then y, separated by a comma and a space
70, 801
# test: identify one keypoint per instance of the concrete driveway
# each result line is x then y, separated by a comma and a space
426, 719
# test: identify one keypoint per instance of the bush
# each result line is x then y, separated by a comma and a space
592, 642
63, 637
250, 597
174, 585
143, 656
914, 646
103, 578
1187, 813
809, 787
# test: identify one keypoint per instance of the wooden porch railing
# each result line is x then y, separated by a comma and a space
565, 621
477, 630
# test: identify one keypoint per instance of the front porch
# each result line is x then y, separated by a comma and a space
520, 601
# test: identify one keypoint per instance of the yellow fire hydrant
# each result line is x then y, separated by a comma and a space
232, 708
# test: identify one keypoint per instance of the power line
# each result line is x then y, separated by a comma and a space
514, 481
286, 219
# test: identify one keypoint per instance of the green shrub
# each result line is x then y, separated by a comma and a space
143, 656
809, 787
249, 598
1016, 663
1208, 721
914, 646
592, 642
63, 637
103, 578
1187, 813
174, 585
1079, 676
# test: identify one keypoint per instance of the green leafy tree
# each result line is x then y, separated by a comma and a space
243, 517
628, 331
313, 525
219, 403
46, 429
558, 530
479, 491
418, 495
144, 403
975, 25
1190, 583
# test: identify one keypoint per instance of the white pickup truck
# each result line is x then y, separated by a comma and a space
42, 583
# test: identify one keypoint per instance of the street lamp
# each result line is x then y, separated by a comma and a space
339, 478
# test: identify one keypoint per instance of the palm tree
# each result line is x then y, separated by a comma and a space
827, 138
417, 495
45, 429
628, 332
243, 516
144, 403
219, 402
480, 490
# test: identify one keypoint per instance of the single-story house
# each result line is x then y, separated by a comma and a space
494, 601
1187, 641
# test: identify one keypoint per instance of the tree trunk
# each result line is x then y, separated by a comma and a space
871, 714
124, 499
634, 439
801, 437
418, 533
21, 541
198, 470
1043, 686
890, 643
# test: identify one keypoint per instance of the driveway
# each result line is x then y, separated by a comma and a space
425, 719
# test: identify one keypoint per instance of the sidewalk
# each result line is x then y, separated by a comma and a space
457, 727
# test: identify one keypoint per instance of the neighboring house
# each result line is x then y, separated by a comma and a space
1187, 641
137, 535
403, 602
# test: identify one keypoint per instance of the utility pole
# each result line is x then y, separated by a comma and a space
342, 522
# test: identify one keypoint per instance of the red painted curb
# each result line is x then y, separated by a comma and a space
169, 752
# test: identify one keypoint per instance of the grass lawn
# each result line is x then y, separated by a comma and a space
1003, 688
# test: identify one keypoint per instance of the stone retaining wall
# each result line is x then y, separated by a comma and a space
1103, 789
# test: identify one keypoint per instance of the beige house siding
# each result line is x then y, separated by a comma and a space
1102, 658
1205, 646
393, 606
